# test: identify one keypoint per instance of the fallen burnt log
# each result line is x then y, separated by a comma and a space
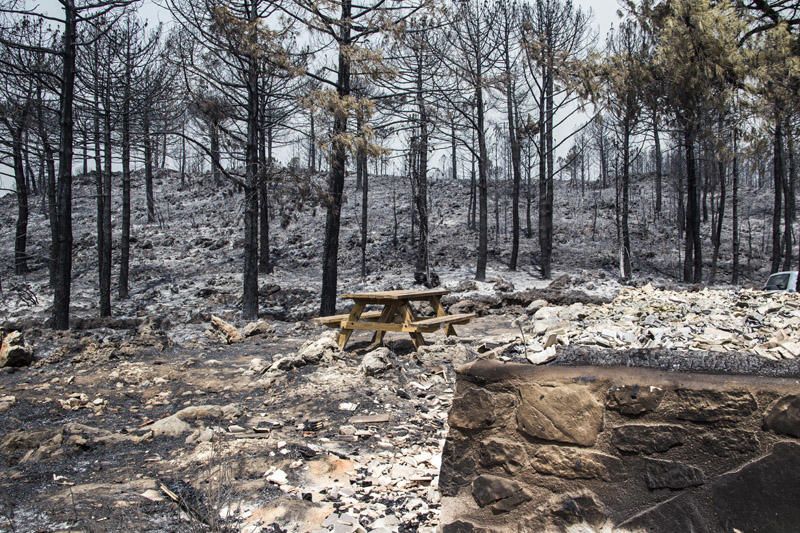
705, 362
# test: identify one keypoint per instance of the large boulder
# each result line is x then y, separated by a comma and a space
14, 351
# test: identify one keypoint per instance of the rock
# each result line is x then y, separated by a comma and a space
661, 474
570, 414
7, 402
259, 327
713, 405
258, 365
648, 439
170, 426
466, 285
200, 435
496, 451
474, 409
634, 399
488, 489
502, 285
535, 306
376, 362
547, 312
783, 416
235, 428
729, 442
225, 331
176, 424
574, 463
760, 496
324, 348
469, 306
581, 508
14, 352
763, 495
278, 477
458, 465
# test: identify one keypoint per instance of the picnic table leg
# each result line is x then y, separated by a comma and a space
386, 316
344, 334
408, 318
436, 303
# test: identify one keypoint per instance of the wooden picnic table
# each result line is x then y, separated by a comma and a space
396, 315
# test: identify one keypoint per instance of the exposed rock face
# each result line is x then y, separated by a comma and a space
14, 351
620, 449
672, 475
762, 496
501, 493
571, 414
730, 442
783, 416
634, 399
713, 405
475, 410
574, 463
648, 439
503, 452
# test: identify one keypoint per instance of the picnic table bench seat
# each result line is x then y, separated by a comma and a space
336, 320
456, 319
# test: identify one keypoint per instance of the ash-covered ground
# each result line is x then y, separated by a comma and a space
153, 421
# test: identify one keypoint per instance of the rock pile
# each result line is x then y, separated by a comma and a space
767, 324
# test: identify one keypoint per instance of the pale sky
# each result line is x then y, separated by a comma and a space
604, 15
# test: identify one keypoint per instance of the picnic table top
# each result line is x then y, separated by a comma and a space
397, 295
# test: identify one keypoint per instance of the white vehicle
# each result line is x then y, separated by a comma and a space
782, 281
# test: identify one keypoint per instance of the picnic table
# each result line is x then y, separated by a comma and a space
396, 315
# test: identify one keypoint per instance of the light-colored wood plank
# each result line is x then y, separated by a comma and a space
371, 297
344, 333
336, 320
444, 319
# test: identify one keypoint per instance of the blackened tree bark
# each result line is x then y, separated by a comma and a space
778, 179
330, 251
250, 275
147, 142
788, 196
63, 267
21, 186
659, 161
735, 206
693, 258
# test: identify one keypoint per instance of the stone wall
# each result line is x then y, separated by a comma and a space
556, 448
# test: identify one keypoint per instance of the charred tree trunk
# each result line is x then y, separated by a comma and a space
63, 278
659, 163
483, 196
735, 206
21, 235
778, 180
693, 258
789, 204
546, 202
264, 257
148, 166
104, 207
626, 176
216, 165
250, 274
